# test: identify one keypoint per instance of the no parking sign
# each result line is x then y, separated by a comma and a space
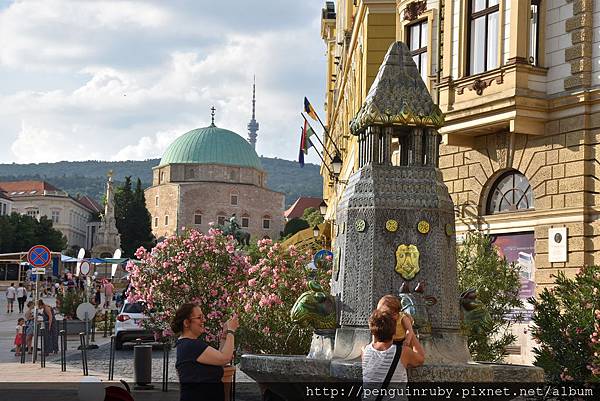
39, 256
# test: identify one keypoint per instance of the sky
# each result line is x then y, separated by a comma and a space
120, 80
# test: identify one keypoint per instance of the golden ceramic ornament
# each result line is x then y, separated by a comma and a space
449, 230
360, 225
407, 261
423, 227
391, 225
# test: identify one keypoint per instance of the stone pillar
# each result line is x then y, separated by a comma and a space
387, 145
417, 139
375, 141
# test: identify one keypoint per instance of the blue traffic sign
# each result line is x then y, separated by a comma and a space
39, 256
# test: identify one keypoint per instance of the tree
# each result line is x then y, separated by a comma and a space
141, 219
312, 216
497, 284
19, 232
132, 217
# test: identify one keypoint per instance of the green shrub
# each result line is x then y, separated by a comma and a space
68, 303
294, 225
566, 317
497, 283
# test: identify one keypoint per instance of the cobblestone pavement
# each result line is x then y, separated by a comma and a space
98, 361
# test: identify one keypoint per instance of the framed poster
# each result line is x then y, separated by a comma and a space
557, 244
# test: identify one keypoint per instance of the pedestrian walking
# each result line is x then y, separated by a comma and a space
109, 291
19, 336
11, 294
21, 296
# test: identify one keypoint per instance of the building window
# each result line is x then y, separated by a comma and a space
511, 192
221, 219
166, 220
534, 32
197, 218
156, 201
3, 209
417, 37
234, 200
55, 216
156, 222
266, 222
33, 213
245, 222
161, 177
483, 35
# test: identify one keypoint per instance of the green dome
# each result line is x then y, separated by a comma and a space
211, 145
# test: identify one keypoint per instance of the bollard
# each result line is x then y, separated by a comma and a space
43, 340
35, 342
166, 350
142, 367
105, 324
63, 362
83, 353
23, 345
94, 329
111, 361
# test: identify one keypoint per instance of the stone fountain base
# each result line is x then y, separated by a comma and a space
292, 377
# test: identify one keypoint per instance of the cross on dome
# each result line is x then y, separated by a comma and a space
212, 116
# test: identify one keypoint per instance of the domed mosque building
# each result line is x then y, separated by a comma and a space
209, 174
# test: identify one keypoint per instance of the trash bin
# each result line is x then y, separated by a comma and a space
142, 365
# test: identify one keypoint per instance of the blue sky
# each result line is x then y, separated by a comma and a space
119, 80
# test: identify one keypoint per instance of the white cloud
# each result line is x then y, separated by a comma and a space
132, 109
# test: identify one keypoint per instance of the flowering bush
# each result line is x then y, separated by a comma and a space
189, 268
567, 319
275, 280
261, 286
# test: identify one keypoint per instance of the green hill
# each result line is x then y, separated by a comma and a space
89, 177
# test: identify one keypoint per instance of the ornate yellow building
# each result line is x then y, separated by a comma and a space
518, 81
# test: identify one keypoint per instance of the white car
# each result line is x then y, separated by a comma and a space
128, 326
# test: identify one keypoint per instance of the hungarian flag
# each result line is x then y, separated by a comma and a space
305, 142
310, 110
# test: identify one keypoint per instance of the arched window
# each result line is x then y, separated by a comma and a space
245, 220
266, 222
221, 218
511, 192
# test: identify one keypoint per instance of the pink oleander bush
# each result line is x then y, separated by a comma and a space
260, 285
567, 323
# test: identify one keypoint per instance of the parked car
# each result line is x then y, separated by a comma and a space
128, 326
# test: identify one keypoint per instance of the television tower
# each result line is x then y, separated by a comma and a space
253, 124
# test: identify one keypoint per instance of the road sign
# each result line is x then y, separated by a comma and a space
39, 256
85, 268
38, 270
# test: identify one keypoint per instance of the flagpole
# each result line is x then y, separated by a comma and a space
319, 139
321, 157
327, 133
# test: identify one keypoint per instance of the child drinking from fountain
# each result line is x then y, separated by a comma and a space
403, 321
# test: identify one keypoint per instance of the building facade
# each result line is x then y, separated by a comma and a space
208, 175
519, 83
38, 198
5, 204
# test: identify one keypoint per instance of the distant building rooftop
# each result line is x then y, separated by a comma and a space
302, 203
29, 188
90, 203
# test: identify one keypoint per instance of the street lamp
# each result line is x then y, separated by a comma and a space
323, 208
316, 231
336, 165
